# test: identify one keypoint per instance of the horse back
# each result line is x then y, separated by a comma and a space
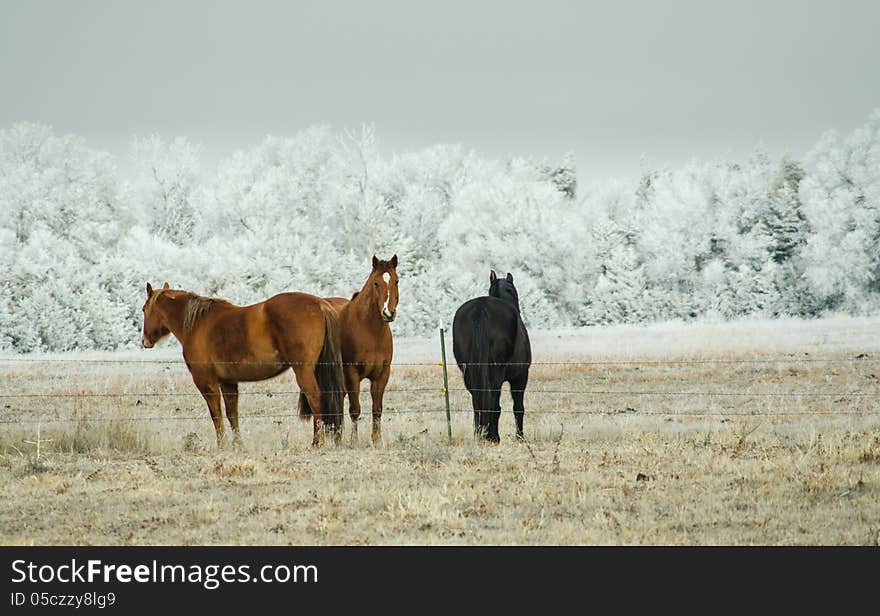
338, 303
292, 314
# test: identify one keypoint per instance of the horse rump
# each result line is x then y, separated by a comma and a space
328, 373
470, 330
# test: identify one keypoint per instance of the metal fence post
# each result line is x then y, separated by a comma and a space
445, 381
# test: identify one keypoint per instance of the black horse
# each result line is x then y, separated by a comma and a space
491, 345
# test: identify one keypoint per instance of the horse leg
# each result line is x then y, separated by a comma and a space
476, 402
308, 384
518, 392
486, 397
353, 387
230, 401
377, 391
483, 403
211, 393
475, 385
494, 416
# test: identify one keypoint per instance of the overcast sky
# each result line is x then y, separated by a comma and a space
616, 82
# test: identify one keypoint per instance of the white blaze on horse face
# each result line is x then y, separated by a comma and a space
387, 278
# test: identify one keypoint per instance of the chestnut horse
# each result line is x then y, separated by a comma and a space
367, 345
224, 344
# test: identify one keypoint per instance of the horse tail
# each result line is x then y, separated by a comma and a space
480, 357
328, 373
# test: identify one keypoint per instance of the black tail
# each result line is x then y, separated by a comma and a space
479, 369
328, 373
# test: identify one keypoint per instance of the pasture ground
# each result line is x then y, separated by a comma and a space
744, 433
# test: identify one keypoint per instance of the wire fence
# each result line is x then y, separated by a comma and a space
863, 357
279, 417
531, 390
856, 398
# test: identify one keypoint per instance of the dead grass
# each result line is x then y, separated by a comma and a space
624, 469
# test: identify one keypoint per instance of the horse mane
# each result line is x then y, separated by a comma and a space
196, 306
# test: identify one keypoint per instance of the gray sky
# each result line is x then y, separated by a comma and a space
613, 81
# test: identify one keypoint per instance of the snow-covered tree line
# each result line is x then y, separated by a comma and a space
761, 236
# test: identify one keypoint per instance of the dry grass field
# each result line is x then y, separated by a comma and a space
745, 433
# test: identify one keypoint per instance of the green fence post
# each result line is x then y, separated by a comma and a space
445, 381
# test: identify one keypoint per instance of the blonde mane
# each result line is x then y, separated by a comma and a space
196, 306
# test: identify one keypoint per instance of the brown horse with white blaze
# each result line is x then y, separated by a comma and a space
224, 344
367, 344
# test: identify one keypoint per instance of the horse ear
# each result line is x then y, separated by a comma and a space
509, 277
492, 276
394, 261
375, 262
166, 286
149, 289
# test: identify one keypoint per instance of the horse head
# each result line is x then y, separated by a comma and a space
154, 321
503, 289
382, 284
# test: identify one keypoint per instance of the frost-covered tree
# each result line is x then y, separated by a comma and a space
271, 207
787, 230
784, 220
680, 231
841, 202
59, 183
741, 281
60, 218
618, 280
564, 175
165, 188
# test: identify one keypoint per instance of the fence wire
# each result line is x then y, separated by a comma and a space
608, 362
439, 390
573, 392
365, 416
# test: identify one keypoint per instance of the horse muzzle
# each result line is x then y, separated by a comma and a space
388, 316
148, 344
